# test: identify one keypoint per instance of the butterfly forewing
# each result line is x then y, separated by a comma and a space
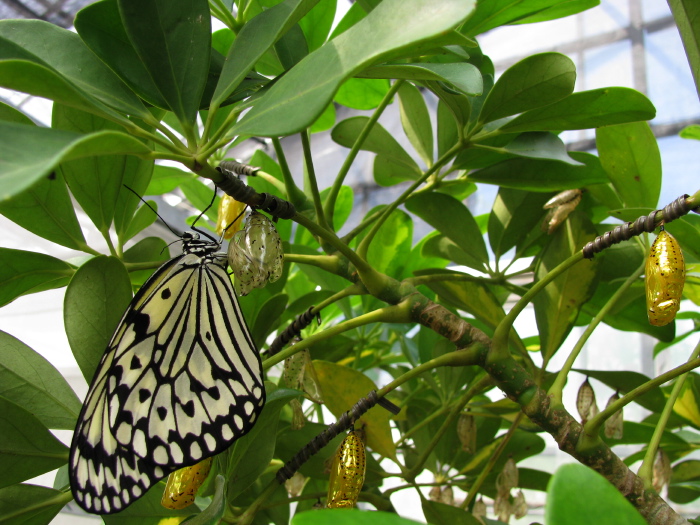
180, 381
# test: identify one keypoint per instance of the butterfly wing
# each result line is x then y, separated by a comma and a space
180, 381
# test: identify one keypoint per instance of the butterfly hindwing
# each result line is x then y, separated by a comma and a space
180, 381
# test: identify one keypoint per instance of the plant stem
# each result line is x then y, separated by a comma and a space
557, 387
474, 489
311, 179
294, 194
646, 471
345, 168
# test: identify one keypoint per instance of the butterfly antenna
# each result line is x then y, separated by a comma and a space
234, 221
154, 211
206, 234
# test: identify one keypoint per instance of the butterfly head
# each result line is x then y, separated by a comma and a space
193, 243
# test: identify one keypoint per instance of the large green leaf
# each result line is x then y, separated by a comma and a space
687, 16
74, 74
560, 9
543, 175
28, 153
30, 381
587, 109
95, 301
514, 214
256, 37
173, 41
300, 97
317, 24
389, 250
495, 13
684, 486
630, 155
23, 272
27, 448
349, 517
11, 114
577, 495
557, 306
101, 28
535, 81
452, 218
416, 121
437, 513
147, 510
26, 504
462, 76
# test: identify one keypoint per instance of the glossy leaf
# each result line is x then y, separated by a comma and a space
686, 13
521, 445
450, 217
342, 387
586, 109
437, 513
361, 93
317, 23
100, 27
443, 247
543, 175
27, 448
416, 121
26, 504
31, 382
173, 41
298, 99
165, 179
23, 272
43, 59
256, 37
268, 318
291, 48
684, 486
29, 153
390, 247
630, 155
514, 214
489, 15
462, 76
557, 306
143, 218
446, 129
536, 81
95, 301
572, 490
11, 114
559, 10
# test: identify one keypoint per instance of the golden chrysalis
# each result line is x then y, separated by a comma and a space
230, 211
347, 473
665, 277
183, 484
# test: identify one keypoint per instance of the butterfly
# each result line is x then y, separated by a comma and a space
665, 277
180, 381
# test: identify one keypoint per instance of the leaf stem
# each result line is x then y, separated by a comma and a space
311, 179
294, 193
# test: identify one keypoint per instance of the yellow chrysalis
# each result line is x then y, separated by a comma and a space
183, 485
347, 473
665, 277
230, 210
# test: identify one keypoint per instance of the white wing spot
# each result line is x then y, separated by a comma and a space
248, 407
226, 433
238, 421
160, 455
195, 451
210, 441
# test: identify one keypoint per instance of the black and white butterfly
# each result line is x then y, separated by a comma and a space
180, 381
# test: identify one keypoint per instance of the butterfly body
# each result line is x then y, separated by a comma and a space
180, 381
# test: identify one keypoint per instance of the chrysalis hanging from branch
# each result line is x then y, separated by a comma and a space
347, 473
665, 277
560, 206
183, 484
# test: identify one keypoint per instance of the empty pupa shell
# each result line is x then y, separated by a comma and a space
560, 206
614, 424
665, 277
585, 402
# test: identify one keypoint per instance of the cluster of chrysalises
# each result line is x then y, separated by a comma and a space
255, 254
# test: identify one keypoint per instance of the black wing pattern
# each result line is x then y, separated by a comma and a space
180, 381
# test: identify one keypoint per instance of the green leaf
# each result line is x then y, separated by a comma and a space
342, 387
302, 94
446, 129
27, 448
690, 132
391, 246
557, 306
361, 93
166, 178
100, 27
684, 486
536, 145
437, 513
150, 249
514, 214
561, 9
543, 175
214, 512
256, 37
317, 23
268, 318
495, 13
143, 218
349, 517
11, 114
292, 47
379, 141
572, 491
55, 53
457, 104
444, 248
202, 197
415, 120
31, 382
586, 109
630, 155
147, 510
536, 81
173, 41
24, 272
687, 16
29, 153
97, 182
521, 445
250, 455
453, 219
95, 301
26, 504
326, 121
462, 76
